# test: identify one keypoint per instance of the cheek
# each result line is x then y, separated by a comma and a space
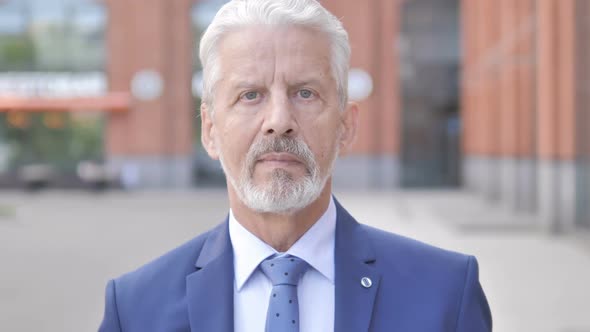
322, 140
236, 138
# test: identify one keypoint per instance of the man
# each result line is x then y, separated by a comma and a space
289, 257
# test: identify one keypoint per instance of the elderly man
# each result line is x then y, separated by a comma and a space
289, 257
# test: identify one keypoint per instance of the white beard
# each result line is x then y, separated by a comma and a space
283, 194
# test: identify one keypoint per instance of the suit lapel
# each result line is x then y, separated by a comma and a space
210, 289
354, 259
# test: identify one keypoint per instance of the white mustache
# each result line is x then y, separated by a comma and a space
293, 146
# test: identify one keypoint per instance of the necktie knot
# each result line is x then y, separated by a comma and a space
284, 270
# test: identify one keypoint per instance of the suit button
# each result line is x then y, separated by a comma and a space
366, 282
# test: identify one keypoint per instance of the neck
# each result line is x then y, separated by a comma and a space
280, 231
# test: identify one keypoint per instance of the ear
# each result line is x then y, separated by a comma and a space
208, 132
349, 127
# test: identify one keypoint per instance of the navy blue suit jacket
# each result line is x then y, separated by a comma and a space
415, 287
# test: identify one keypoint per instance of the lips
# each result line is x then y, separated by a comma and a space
280, 157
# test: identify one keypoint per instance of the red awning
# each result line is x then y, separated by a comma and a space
111, 102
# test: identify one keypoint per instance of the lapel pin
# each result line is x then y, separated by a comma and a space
366, 282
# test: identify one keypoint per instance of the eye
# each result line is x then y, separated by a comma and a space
305, 94
250, 95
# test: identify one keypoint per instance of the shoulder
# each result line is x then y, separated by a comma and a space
399, 255
165, 272
419, 271
155, 293
418, 280
394, 248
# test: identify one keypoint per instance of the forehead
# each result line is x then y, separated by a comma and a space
291, 52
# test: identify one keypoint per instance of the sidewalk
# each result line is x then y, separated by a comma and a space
58, 249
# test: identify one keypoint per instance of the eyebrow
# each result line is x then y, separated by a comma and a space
312, 81
239, 84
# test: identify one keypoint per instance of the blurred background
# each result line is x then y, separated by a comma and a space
474, 137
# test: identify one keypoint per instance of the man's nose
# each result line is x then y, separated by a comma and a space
279, 119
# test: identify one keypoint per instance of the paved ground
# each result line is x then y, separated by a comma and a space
58, 249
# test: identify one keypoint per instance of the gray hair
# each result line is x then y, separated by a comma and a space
306, 13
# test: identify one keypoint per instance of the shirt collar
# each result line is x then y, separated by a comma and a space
316, 247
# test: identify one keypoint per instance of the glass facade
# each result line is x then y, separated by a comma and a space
429, 62
52, 35
207, 172
45, 44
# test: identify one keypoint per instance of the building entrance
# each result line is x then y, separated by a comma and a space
429, 55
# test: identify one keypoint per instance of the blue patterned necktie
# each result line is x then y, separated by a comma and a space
283, 309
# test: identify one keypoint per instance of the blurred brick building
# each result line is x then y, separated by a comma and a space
158, 134
519, 67
491, 95
525, 97
391, 149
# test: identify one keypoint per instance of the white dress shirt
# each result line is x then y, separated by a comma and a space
315, 289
